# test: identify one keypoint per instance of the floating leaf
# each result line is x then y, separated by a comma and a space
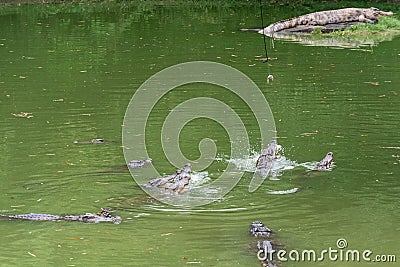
373, 83
102, 183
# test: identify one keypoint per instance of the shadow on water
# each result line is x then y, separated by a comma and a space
361, 42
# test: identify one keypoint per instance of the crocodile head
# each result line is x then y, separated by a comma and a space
326, 163
257, 229
379, 13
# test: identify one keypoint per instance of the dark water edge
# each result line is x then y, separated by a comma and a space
137, 9
143, 10
297, 3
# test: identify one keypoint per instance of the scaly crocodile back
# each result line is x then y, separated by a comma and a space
36, 217
369, 15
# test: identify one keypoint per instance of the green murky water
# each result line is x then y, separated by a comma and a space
76, 72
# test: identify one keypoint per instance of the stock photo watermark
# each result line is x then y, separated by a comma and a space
340, 253
157, 86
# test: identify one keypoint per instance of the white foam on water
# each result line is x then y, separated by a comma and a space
248, 163
283, 192
198, 178
281, 164
308, 165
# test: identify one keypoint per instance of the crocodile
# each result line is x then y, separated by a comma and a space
265, 162
268, 155
326, 163
265, 248
103, 216
175, 183
322, 18
138, 163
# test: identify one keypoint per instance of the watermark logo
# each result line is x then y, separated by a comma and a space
341, 243
339, 253
156, 87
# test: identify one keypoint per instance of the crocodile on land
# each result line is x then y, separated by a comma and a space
265, 248
103, 216
172, 184
322, 18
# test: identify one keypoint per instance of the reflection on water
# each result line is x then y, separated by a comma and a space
360, 42
195, 211
283, 192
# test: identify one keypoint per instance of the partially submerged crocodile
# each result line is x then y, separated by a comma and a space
172, 184
264, 246
326, 163
103, 216
268, 155
265, 162
346, 16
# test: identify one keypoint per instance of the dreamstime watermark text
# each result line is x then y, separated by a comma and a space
339, 253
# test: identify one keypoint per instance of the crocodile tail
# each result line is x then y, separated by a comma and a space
287, 24
280, 25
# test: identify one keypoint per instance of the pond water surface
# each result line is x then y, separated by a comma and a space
75, 72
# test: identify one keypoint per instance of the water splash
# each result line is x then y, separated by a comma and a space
280, 165
198, 178
248, 163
